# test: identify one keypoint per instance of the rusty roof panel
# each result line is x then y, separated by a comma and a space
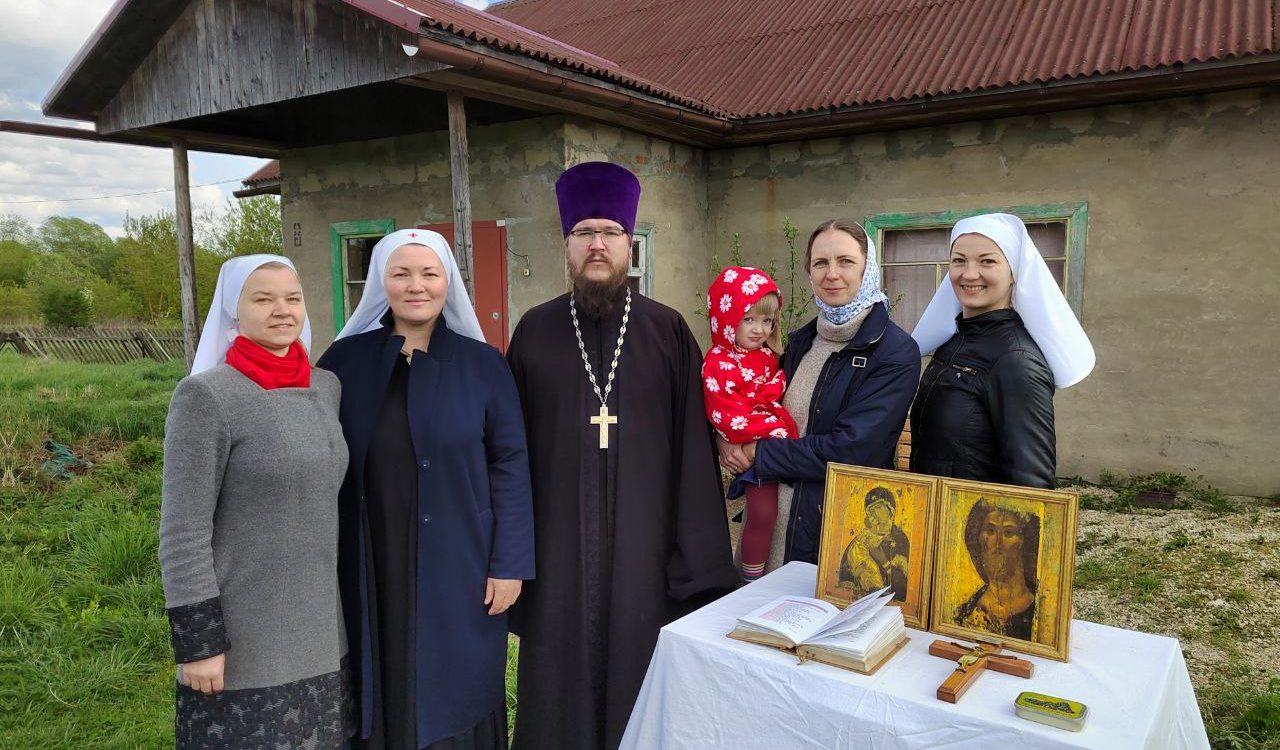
771, 57
504, 34
268, 171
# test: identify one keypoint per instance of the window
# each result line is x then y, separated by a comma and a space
914, 247
352, 247
640, 273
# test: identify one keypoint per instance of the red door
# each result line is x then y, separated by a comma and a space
489, 253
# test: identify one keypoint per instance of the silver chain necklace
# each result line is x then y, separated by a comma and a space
603, 419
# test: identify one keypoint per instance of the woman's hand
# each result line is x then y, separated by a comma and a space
731, 456
501, 593
205, 675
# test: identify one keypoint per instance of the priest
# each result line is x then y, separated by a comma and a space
629, 516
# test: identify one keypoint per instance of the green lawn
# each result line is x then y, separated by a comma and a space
82, 614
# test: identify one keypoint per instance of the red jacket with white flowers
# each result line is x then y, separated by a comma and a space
742, 389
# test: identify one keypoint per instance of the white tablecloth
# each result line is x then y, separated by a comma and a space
706, 691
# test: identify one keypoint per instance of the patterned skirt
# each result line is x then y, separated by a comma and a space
316, 713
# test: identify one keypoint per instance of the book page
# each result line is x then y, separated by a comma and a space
857, 613
866, 637
793, 617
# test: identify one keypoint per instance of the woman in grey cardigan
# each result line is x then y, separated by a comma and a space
254, 459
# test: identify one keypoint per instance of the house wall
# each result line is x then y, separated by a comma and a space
1180, 293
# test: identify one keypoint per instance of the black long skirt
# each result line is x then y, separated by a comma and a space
391, 486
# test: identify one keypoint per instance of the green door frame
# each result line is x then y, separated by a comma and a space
1076, 215
338, 234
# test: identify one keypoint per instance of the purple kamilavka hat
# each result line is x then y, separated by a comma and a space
598, 190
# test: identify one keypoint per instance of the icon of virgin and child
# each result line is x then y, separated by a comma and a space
878, 555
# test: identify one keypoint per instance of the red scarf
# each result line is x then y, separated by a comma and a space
293, 370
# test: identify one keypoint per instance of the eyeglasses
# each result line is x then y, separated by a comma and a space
589, 235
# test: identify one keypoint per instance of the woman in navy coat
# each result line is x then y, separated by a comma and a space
851, 374
436, 510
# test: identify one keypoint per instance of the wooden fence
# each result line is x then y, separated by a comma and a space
108, 345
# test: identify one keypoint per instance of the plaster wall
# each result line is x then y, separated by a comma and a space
1181, 298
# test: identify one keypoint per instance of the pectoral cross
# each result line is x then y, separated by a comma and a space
970, 663
604, 420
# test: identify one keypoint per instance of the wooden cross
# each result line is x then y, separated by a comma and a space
972, 660
604, 420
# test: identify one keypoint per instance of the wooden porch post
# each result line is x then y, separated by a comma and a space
186, 251
459, 162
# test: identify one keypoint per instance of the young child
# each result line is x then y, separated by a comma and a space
742, 386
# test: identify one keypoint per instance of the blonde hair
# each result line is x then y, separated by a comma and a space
769, 306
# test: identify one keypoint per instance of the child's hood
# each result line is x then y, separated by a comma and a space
731, 295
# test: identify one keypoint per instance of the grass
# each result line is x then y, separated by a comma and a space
81, 605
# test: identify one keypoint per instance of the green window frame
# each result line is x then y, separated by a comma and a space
641, 267
339, 233
1075, 214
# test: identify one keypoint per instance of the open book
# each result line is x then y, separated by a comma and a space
860, 638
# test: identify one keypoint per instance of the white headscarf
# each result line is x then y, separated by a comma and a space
220, 325
458, 313
1036, 298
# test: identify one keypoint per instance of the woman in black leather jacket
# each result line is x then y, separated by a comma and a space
1002, 338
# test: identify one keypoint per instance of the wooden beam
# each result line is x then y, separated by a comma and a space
459, 169
186, 251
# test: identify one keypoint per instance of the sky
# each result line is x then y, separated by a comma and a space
38, 39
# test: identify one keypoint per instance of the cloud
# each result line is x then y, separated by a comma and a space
37, 42
54, 170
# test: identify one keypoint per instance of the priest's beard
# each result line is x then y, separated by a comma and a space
596, 298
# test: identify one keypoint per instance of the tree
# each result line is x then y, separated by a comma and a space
148, 263
15, 259
82, 242
18, 229
148, 267
250, 225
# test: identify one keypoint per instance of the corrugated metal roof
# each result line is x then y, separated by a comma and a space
503, 34
771, 57
267, 172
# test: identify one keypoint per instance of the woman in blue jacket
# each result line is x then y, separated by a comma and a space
436, 510
851, 375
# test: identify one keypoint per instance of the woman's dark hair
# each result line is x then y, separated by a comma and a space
1029, 525
848, 226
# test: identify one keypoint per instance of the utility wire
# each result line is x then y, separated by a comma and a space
105, 197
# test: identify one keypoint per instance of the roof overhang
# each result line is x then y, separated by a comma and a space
154, 137
108, 57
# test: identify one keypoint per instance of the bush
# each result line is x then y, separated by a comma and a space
17, 304
109, 302
64, 305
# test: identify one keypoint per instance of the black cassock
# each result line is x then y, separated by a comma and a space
627, 539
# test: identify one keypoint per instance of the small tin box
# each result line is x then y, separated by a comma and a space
1051, 710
